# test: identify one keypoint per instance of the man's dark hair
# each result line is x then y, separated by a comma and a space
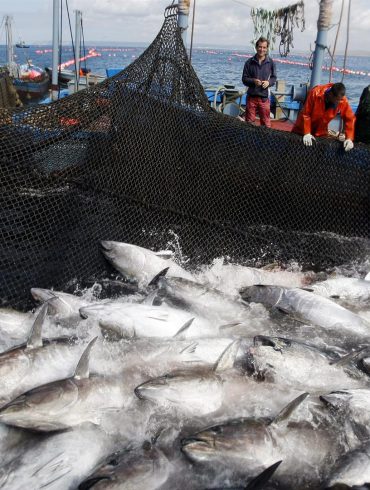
262, 40
338, 90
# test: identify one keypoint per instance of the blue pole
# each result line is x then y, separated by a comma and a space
318, 57
323, 25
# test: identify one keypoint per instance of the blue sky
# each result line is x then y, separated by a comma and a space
217, 22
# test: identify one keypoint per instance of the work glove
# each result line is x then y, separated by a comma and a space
348, 145
307, 139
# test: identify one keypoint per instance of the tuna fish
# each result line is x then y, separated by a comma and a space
286, 362
232, 277
346, 288
36, 363
204, 301
63, 306
58, 461
140, 469
132, 320
252, 444
310, 308
139, 263
352, 470
182, 389
67, 403
352, 407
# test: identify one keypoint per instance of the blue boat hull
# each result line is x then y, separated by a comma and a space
31, 90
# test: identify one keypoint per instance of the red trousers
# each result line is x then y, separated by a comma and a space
262, 107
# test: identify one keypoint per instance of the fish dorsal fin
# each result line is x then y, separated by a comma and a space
180, 334
367, 277
227, 358
352, 356
289, 409
35, 337
191, 348
229, 325
164, 254
82, 369
156, 436
259, 481
162, 273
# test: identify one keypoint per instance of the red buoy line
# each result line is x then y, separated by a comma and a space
346, 71
91, 54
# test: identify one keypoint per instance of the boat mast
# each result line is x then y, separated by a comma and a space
323, 25
12, 67
54, 75
183, 17
78, 15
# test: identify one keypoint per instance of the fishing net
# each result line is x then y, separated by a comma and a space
142, 158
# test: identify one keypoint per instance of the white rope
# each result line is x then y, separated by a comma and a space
325, 14
335, 42
347, 40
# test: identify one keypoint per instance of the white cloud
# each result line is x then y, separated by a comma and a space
221, 22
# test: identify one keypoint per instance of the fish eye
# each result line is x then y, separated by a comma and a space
217, 430
146, 446
113, 460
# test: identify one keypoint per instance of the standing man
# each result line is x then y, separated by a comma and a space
258, 75
323, 103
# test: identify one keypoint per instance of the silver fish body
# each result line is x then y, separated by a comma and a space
352, 408
65, 404
14, 327
203, 300
137, 469
58, 461
139, 263
249, 446
133, 320
232, 277
352, 470
304, 367
62, 306
346, 288
310, 308
23, 369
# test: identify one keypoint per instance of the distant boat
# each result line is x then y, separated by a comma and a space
22, 44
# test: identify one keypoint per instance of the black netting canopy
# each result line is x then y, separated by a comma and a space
142, 157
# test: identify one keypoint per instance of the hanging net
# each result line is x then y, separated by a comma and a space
142, 158
278, 23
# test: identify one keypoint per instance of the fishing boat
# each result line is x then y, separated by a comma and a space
30, 81
22, 44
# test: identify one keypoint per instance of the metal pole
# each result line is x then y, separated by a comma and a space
54, 73
192, 32
323, 25
78, 14
12, 66
9, 39
183, 17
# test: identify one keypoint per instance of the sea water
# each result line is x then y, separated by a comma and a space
214, 67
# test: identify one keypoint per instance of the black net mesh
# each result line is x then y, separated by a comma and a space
142, 158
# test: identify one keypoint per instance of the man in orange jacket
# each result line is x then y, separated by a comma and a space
323, 103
